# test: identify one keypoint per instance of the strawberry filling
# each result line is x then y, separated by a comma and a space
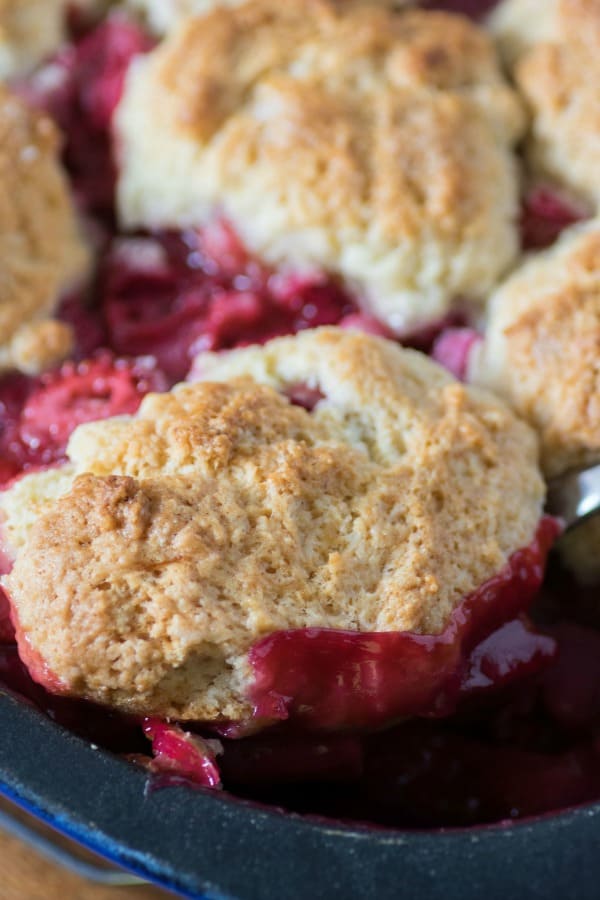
545, 213
519, 710
184, 754
452, 350
40, 414
322, 679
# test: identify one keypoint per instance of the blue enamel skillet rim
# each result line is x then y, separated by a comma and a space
203, 844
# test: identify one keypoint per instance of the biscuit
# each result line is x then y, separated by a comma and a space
557, 69
542, 347
372, 144
29, 31
518, 25
41, 250
541, 354
162, 15
220, 513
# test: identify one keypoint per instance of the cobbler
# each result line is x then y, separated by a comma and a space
319, 561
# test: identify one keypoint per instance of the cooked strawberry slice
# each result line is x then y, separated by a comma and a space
184, 754
83, 392
452, 350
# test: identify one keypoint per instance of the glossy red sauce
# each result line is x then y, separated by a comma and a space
321, 679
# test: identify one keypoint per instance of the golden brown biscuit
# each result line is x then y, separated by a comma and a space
373, 144
542, 348
555, 48
541, 353
518, 25
220, 513
41, 249
29, 31
162, 15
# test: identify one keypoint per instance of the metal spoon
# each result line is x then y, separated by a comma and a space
575, 496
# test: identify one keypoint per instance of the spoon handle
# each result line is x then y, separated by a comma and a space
575, 496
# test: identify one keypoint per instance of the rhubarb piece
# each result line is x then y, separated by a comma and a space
453, 348
183, 753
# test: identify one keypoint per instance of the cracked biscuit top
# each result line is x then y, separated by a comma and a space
29, 31
221, 512
542, 348
41, 250
555, 48
371, 143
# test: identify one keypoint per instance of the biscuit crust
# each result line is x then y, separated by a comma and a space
542, 348
162, 15
220, 513
29, 31
373, 144
558, 75
41, 249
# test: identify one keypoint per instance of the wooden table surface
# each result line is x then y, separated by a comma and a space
24, 875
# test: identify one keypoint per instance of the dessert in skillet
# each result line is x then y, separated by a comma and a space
398, 500
371, 144
553, 47
222, 512
42, 252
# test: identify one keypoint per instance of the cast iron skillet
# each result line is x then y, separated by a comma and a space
203, 844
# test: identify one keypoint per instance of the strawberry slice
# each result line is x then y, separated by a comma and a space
83, 392
452, 350
181, 753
